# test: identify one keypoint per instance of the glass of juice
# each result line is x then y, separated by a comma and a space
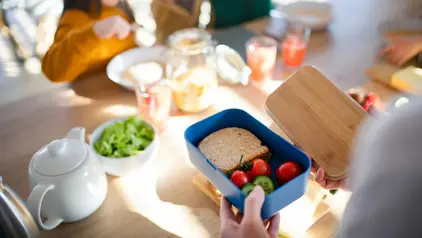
261, 54
154, 102
293, 47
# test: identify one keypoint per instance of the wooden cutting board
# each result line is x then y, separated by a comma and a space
318, 117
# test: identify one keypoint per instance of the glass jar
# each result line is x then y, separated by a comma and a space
191, 70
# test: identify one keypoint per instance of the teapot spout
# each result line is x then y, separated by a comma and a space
77, 133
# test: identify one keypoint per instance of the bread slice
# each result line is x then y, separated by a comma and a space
225, 148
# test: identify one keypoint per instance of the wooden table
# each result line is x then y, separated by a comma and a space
161, 201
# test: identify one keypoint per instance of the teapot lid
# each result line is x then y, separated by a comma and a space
59, 157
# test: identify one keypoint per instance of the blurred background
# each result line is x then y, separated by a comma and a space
27, 29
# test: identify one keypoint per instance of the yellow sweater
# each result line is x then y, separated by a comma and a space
77, 50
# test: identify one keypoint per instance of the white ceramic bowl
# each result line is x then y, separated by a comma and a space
124, 60
126, 165
315, 15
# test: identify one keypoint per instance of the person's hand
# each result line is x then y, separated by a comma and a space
112, 26
402, 49
324, 182
251, 224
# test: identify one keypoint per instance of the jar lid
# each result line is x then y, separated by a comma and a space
190, 41
59, 157
231, 66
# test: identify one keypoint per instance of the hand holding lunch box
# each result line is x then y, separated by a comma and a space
316, 115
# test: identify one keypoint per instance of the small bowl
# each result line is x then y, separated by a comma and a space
315, 15
126, 165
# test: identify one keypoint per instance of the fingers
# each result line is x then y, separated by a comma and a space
253, 205
327, 183
320, 176
314, 166
122, 28
226, 212
274, 226
386, 49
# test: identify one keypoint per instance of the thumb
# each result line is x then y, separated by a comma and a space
253, 204
320, 175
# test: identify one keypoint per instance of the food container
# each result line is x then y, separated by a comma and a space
281, 151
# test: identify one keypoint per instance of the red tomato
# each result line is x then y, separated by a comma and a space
288, 171
259, 167
372, 98
365, 105
240, 178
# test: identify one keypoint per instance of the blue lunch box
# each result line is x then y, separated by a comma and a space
281, 151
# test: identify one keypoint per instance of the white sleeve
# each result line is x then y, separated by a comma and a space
386, 177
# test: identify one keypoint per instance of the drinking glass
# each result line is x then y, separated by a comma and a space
261, 54
154, 102
293, 48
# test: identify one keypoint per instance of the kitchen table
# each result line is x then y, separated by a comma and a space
160, 200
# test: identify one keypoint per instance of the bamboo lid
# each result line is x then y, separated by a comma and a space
318, 117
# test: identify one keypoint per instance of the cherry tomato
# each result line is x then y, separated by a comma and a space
372, 98
240, 178
365, 105
259, 167
287, 171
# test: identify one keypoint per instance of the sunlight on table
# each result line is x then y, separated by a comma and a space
228, 98
120, 110
139, 192
69, 98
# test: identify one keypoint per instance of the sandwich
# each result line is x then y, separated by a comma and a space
232, 147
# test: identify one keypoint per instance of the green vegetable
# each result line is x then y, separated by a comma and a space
124, 138
248, 188
265, 182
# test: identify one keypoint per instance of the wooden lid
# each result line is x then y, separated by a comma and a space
318, 117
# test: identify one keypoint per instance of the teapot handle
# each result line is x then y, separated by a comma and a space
77, 133
34, 205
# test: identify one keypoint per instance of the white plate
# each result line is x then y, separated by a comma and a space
124, 60
315, 15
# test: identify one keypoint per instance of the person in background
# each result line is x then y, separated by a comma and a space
401, 49
89, 34
385, 179
173, 15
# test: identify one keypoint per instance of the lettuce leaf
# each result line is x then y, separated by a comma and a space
124, 138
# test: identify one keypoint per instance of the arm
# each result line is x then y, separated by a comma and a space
170, 18
402, 49
66, 58
386, 177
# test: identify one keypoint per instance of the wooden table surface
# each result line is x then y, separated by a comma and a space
161, 201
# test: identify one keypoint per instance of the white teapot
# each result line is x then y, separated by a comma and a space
67, 182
